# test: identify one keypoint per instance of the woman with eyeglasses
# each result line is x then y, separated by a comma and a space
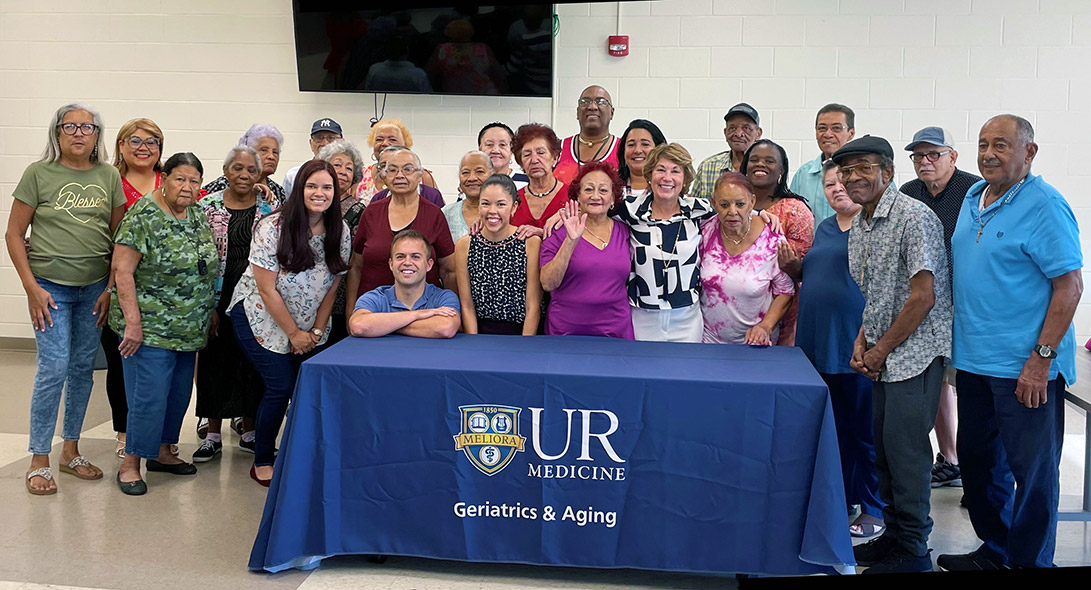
404, 209
71, 200
139, 160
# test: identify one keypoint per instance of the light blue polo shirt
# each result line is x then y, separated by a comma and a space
1002, 283
807, 182
385, 300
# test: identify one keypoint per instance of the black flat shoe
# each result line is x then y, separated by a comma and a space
182, 468
132, 488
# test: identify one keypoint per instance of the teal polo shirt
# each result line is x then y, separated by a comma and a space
1002, 282
807, 183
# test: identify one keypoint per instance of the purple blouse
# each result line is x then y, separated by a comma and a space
592, 299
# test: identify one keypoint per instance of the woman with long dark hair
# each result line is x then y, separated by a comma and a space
636, 143
297, 257
765, 164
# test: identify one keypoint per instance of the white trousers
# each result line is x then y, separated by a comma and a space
668, 325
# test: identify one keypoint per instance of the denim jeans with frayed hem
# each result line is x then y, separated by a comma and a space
66, 359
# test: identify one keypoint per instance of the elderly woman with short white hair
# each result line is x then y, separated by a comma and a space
349, 165
227, 384
473, 169
267, 141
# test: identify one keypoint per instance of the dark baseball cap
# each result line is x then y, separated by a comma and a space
868, 144
744, 109
326, 124
932, 135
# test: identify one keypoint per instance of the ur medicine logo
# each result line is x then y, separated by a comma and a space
490, 436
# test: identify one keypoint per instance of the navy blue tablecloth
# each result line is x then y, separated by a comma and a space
576, 451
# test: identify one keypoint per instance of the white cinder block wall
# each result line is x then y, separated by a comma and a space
206, 69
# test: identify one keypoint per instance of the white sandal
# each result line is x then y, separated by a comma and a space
45, 473
120, 451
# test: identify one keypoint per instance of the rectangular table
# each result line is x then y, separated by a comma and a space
577, 451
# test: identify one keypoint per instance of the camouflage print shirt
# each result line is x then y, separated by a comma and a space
174, 297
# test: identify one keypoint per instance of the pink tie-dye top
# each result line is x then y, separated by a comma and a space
736, 291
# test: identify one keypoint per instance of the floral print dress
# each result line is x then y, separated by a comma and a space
302, 292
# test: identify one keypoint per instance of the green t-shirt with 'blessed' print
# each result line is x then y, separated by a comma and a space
70, 237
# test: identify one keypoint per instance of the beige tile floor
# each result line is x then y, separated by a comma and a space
190, 532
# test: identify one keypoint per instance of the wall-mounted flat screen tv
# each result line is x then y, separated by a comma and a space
418, 47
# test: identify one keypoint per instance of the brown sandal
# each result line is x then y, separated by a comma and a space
45, 473
81, 461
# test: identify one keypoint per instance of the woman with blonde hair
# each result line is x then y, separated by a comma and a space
384, 134
665, 235
139, 160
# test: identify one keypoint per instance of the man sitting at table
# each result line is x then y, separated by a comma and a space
410, 306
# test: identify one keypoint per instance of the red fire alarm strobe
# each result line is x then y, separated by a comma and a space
618, 45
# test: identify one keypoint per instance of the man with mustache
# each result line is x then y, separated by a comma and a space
1017, 260
742, 127
897, 257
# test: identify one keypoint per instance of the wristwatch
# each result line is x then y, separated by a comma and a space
319, 332
1045, 351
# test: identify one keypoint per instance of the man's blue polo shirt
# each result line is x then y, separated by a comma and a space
385, 300
807, 182
1002, 283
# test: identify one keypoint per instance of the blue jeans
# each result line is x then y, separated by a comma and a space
1010, 458
158, 385
278, 371
66, 357
850, 395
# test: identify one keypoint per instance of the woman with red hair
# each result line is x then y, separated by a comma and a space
585, 265
537, 149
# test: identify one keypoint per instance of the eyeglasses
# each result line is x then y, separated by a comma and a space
84, 128
601, 101
135, 142
932, 156
860, 169
407, 170
836, 128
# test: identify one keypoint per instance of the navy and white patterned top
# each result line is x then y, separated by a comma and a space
498, 278
903, 238
665, 253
